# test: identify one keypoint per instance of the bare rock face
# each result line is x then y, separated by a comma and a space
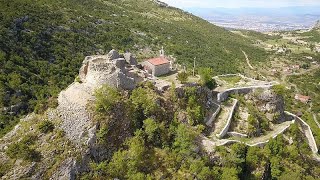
113, 54
120, 63
66, 170
130, 59
75, 117
95, 71
271, 104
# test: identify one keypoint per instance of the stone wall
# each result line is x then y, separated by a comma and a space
214, 115
307, 131
236, 134
227, 126
223, 96
106, 69
160, 69
305, 127
258, 144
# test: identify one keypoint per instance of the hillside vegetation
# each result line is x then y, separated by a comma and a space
42, 44
164, 142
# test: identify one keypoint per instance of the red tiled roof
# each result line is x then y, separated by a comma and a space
302, 98
158, 61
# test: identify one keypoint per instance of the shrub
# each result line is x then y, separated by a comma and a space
46, 126
3, 169
77, 79
183, 77
106, 99
279, 89
22, 150
206, 77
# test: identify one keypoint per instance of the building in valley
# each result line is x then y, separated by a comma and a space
302, 98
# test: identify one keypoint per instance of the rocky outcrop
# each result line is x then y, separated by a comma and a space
113, 54
95, 71
161, 4
270, 104
14, 109
130, 59
76, 120
66, 170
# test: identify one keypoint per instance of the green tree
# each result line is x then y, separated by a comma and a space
152, 130
106, 99
184, 142
199, 169
128, 163
15, 80
229, 174
206, 77
22, 150
194, 111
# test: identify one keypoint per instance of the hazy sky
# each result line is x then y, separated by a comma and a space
240, 3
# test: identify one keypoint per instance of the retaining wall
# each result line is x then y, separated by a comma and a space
259, 144
307, 131
223, 96
227, 126
236, 134
214, 115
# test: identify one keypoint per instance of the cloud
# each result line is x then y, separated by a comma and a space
240, 3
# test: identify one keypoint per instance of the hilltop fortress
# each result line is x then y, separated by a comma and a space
108, 69
75, 119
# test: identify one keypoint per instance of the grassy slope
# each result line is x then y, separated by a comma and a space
313, 35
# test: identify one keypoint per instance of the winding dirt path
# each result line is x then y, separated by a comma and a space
315, 120
247, 59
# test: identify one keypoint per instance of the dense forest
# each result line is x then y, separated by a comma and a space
42, 45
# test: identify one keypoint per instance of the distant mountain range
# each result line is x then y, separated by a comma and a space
261, 19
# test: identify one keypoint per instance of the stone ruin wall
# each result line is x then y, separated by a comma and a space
307, 131
223, 96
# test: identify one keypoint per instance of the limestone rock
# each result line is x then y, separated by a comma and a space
130, 59
65, 171
113, 54
120, 63
270, 103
